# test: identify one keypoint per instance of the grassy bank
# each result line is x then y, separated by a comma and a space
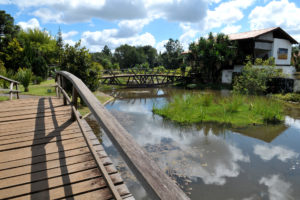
234, 110
291, 97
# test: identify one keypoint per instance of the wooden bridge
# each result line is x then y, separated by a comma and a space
140, 77
47, 151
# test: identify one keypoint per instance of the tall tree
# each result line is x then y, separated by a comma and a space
209, 56
172, 58
127, 56
8, 28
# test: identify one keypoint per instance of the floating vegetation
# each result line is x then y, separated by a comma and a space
236, 110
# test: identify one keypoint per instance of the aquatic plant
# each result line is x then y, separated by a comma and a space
236, 110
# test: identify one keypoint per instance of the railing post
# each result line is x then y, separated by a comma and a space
17, 90
63, 82
74, 101
11, 87
58, 83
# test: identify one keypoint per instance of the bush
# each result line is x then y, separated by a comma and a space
36, 79
253, 80
24, 76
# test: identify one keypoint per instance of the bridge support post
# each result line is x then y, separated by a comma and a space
74, 102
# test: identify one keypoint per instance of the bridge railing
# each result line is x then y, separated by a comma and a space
11, 90
154, 180
137, 71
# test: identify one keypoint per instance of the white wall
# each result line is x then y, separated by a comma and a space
281, 43
227, 76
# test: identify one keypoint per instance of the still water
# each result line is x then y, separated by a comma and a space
210, 161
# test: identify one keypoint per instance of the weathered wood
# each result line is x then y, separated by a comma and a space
11, 87
44, 155
147, 171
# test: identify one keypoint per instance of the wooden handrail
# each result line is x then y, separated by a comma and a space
11, 87
154, 180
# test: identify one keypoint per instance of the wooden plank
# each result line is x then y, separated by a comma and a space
41, 141
39, 159
74, 173
13, 125
102, 194
75, 188
146, 170
41, 166
36, 116
33, 111
39, 133
7, 173
50, 148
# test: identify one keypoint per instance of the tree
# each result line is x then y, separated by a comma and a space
12, 55
77, 60
10, 30
24, 76
60, 45
127, 56
106, 51
172, 58
209, 56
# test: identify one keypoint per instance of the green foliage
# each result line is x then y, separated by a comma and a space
172, 58
12, 55
39, 67
77, 60
10, 30
253, 80
209, 56
24, 77
294, 97
236, 110
36, 79
296, 57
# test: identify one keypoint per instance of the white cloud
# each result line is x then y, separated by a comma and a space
267, 152
188, 35
226, 13
277, 13
160, 46
95, 41
278, 189
31, 24
69, 34
182, 11
231, 29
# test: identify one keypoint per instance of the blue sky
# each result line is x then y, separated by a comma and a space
151, 22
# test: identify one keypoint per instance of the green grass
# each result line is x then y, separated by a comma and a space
235, 110
45, 88
4, 98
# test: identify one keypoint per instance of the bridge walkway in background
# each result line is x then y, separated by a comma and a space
44, 154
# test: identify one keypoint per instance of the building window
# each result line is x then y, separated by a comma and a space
282, 54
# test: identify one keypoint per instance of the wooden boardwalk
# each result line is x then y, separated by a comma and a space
44, 155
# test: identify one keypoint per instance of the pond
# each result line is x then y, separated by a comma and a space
210, 161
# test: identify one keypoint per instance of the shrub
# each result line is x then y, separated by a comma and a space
253, 80
24, 76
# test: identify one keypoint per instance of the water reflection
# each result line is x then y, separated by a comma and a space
210, 161
278, 189
268, 152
